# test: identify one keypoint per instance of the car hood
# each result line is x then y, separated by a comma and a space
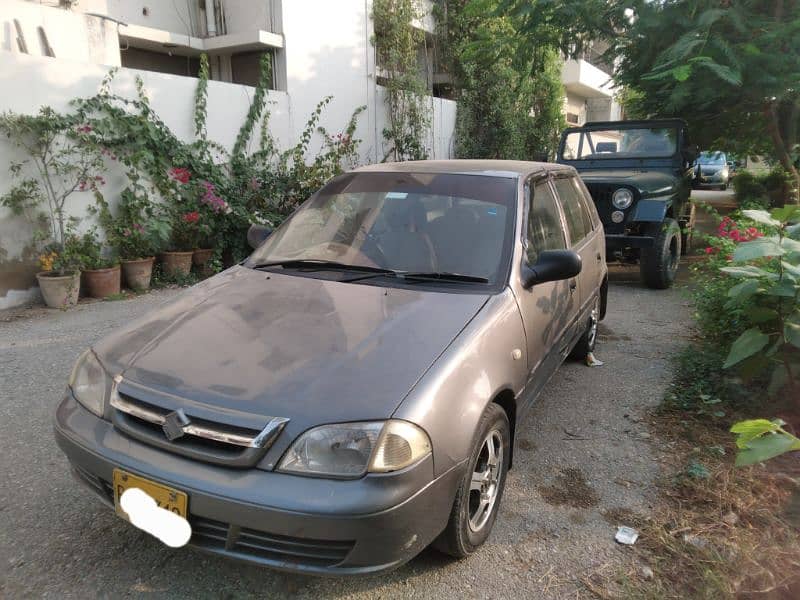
254, 343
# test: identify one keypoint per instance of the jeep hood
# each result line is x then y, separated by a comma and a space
255, 343
647, 182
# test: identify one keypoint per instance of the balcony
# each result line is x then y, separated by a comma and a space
584, 79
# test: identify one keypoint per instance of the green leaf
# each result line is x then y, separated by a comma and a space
765, 447
752, 428
748, 271
744, 289
760, 314
757, 249
761, 216
777, 380
783, 289
785, 213
791, 331
790, 245
727, 74
747, 344
682, 72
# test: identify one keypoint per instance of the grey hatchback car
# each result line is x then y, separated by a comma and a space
350, 393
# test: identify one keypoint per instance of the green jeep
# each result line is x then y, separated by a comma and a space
639, 174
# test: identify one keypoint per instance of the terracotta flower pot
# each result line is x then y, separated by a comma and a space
138, 273
102, 283
177, 263
200, 260
59, 291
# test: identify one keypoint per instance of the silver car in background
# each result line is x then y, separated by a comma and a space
350, 393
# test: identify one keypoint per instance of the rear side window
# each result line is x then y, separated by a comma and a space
544, 223
579, 222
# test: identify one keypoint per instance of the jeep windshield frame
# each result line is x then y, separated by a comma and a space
623, 143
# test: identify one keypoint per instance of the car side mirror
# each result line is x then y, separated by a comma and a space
256, 235
552, 265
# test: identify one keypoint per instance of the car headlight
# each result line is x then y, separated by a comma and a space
353, 449
622, 198
88, 383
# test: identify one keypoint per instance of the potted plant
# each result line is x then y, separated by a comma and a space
137, 233
60, 276
100, 271
211, 207
187, 225
58, 164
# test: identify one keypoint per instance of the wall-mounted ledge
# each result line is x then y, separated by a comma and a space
158, 40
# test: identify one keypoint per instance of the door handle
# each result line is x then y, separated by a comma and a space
599, 256
572, 285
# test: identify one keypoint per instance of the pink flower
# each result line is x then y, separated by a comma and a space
709, 250
191, 217
138, 228
84, 128
180, 174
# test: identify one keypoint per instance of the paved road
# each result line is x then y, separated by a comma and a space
583, 457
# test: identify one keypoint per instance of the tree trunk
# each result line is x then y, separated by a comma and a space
781, 152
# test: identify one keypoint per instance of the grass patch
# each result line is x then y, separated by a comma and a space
718, 532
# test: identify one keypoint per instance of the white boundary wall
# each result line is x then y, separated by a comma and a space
328, 52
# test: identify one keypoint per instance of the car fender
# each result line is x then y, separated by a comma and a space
486, 360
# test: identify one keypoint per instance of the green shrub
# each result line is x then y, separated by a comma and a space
750, 191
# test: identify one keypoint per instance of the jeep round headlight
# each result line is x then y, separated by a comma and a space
352, 449
88, 383
622, 198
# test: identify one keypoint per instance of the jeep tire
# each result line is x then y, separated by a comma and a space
659, 264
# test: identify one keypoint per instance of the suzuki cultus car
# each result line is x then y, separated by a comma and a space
350, 393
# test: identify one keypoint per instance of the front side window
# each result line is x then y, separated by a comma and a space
544, 223
404, 222
579, 223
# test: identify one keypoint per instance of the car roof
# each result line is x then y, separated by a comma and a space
493, 168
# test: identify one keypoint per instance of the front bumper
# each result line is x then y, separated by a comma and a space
621, 241
288, 522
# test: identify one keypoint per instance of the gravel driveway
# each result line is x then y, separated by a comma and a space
583, 462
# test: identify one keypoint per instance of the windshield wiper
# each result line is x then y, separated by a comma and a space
417, 276
299, 263
441, 276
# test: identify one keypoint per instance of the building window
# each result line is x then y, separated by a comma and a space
573, 118
246, 68
148, 60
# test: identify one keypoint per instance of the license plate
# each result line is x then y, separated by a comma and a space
166, 497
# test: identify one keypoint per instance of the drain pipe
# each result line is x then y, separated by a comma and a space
211, 19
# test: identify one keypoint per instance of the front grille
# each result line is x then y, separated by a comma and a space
216, 535
601, 194
189, 434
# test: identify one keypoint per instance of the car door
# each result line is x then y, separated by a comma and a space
581, 228
548, 309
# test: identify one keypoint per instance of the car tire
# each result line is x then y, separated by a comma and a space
471, 521
588, 339
659, 264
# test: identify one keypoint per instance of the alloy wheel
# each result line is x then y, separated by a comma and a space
485, 482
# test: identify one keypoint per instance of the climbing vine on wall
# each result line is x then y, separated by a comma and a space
397, 43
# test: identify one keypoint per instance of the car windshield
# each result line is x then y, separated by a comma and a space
711, 158
620, 143
406, 222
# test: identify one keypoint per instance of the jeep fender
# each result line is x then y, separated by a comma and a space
650, 211
479, 366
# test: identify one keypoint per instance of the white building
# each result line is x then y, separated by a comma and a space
54, 50
589, 93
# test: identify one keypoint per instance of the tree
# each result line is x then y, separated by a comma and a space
731, 68
509, 105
